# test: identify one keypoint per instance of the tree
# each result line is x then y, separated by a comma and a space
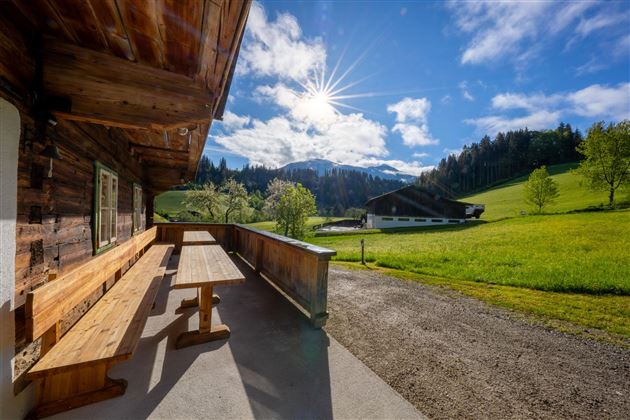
205, 200
293, 210
540, 189
275, 190
607, 157
234, 198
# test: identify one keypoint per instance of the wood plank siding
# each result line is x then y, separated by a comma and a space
131, 84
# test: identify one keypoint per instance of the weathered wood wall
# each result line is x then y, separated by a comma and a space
54, 224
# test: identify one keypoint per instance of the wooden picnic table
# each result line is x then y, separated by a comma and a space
203, 267
198, 237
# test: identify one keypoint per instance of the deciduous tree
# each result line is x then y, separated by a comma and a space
540, 189
234, 198
205, 200
607, 157
293, 210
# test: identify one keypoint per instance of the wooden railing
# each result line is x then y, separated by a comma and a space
297, 269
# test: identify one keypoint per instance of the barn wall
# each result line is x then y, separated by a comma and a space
414, 202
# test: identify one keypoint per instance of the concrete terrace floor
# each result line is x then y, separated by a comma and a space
275, 365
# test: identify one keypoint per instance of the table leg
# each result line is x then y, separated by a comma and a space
206, 331
194, 302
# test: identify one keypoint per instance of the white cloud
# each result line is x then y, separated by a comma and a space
545, 111
597, 101
463, 86
601, 20
446, 99
412, 121
281, 140
277, 48
232, 121
520, 29
420, 155
536, 121
520, 101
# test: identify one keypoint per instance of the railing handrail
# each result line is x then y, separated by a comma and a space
322, 252
310, 248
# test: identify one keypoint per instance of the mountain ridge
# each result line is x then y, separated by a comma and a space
321, 166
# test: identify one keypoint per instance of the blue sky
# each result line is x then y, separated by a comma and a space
414, 81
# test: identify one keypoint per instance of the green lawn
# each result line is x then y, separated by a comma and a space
507, 200
170, 202
582, 252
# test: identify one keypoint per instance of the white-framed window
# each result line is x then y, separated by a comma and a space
137, 207
105, 207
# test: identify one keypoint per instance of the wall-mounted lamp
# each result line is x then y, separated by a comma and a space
51, 151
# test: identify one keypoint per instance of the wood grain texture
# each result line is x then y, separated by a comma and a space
110, 331
198, 237
206, 266
51, 302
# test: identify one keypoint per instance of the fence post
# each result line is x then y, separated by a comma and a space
363, 251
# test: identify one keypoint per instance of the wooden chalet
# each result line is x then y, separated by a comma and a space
103, 105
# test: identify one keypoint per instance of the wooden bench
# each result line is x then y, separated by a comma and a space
72, 370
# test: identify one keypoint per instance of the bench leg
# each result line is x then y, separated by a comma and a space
68, 390
206, 331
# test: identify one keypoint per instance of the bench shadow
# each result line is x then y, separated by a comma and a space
282, 360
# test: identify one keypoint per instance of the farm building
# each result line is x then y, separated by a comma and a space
415, 206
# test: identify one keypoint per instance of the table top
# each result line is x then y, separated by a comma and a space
206, 265
198, 237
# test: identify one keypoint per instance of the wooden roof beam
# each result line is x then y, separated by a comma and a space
112, 91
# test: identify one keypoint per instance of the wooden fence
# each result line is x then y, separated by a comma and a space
297, 269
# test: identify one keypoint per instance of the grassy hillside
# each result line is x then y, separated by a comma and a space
170, 202
507, 200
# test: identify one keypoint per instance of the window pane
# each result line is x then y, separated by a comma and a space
103, 236
113, 222
114, 206
104, 188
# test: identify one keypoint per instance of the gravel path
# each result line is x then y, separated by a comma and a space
454, 356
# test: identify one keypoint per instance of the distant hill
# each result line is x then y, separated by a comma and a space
322, 166
507, 199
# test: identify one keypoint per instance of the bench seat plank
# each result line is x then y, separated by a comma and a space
111, 329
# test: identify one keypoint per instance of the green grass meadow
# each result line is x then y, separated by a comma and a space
582, 252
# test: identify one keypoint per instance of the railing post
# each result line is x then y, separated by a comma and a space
319, 297
260, 244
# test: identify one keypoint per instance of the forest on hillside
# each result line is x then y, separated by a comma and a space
509, 155
479, 165
335, 192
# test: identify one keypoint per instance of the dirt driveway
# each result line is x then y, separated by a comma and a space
454, 356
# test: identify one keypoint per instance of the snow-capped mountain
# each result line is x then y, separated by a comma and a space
321, 166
